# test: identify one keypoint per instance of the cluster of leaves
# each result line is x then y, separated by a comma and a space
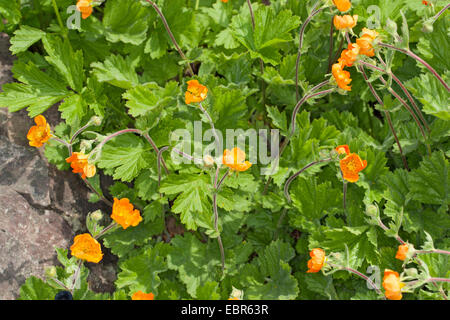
122, 66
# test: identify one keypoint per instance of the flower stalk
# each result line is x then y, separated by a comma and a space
416, 57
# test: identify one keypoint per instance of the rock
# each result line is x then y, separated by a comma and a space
27, 241
6, 59
24, 171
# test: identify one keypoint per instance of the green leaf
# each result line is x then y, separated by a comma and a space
36, 289
192, 201
194, 261
278, 118
150, 97
24, 38
208, 291
68, 63
430, 183
430, 46
229, 108
126, 156
126, 21
313, 200
117, 71
432, 94
73, 109
123, 242
10, 10
141, 272
361, 242
182, 23
271, 29
273, 279
39, 91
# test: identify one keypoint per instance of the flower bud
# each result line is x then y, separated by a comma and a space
372, 210
411, 272
86, 145
50, 272
427, 26
97, 215
208, 161
96, 120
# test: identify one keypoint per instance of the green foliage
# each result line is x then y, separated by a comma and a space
121, 70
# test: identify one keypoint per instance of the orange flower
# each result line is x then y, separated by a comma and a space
316, 261
342, 5
343, 149
40, 133
124, 213
365, 42
84, 6
142, 296
224, 1
345, 22
342, 77
392, 285
349, 55
234, 298
79, 163
235, 160
426, 3
402, 251
195, 92
351, 165
86, 248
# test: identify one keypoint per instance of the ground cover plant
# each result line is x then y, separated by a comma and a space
347, 100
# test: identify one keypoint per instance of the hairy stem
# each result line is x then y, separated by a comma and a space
159, 163
261, 62
294, 114
440, 12
90, 186
211, 123
300, 44
216, 213
359, 274
432, 251
152, 143
414, 56
166, 25
295, 175
387, 115
330, 53
408, 95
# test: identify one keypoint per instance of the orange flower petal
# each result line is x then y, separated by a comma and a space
402, 252
345, 22
235, 160
79, 163
86, 248
392, 285
342, 5
343, 149
40, 133
351, 165
195, 92
124, 213
139, 295
315, 264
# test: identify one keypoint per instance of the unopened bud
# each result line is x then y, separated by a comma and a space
208, 161
427, 26
96, 120
50, 272
372, 210
86, 145
97, 215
